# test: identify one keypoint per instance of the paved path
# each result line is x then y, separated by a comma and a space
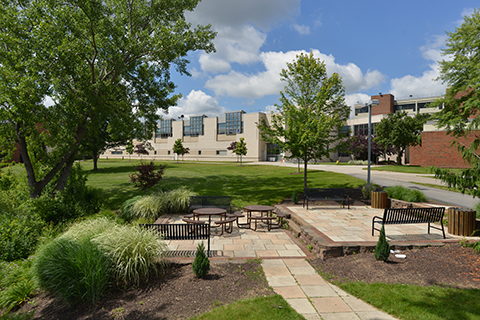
388, 179
287, 272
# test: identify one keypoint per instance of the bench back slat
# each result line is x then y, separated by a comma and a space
337, 193
412, 215
180, 231
223, 202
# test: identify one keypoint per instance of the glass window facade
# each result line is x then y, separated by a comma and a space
362, 129
165, 129
400, 107
234, 122
195, 127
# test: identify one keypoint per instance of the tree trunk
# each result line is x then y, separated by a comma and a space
305, 176
399, 157
63, 179
95, 160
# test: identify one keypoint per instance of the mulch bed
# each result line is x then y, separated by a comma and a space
449, 265
176, 294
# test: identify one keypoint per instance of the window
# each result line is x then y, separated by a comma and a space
423, 105
168, 152
194, 126
221, 128
362, 129
165, 129
199, 152
117, 152
401, 107
361, 110
234, 123
221, 152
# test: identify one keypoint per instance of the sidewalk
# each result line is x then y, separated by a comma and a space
287, 272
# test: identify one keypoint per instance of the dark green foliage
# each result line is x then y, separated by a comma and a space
201, 264
295, 196
76, 200
405, 194
382, 250
76, 271
19, 234
16, 283
146, 176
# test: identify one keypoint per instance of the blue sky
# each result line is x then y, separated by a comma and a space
376, 46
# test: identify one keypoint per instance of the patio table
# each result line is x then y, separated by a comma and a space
203, 212
262, 209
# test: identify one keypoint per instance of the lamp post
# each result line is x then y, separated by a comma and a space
370, 104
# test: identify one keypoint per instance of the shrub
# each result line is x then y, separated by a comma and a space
295, 196
149, 207
405, 194
382, 249
127, 206
178, 200
146, 176
477, 209
358, 162
19, 234
76, 200
201, 264
152, 206
89, 228
16, 283
75, 270
132, 250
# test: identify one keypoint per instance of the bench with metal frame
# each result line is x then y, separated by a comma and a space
224, 202
181, 231
410, 216
316, 194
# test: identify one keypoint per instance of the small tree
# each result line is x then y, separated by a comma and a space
141, 149
312, 111
240, 149
129, 148
178, 147
358, 146
201, 264
400, 130
382, 250
146, 176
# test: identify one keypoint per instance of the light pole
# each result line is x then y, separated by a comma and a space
370, 104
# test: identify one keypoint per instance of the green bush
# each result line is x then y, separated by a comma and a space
201, 264
295, 196
405, 194
153, 206
477, 209
149, 207
382, 249
76, 200
132, 250
89, 228
19, 234
178, 200
75, 270
16, 283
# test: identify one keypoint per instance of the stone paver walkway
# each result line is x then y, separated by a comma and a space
288, 272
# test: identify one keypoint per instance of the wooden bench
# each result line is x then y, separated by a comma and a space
315, 194
189, 231
411, 215
224, 202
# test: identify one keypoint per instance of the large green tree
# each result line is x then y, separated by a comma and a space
461, 103
311, 114
101, 61
400, 131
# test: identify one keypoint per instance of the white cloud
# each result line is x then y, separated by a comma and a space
196, 103
240, 45
268, 82
424, 85
237, 13
355, 98
301, 29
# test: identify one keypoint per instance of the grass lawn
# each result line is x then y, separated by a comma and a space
250, 184
272, 307
407, 169
409, 302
